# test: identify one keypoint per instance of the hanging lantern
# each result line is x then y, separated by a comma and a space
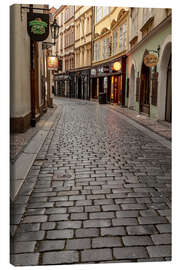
54, 30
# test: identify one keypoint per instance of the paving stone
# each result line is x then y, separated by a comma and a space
102, 215
34, 219
56, 210
141, 229
126, 213
125, 200
130, 253
64, 203
131, 206
137, 241
159, 251
101, 242
47, 226
23, 247
113, 231
161, 239
77, 244
149, 212
26, 259
28, 227
93, 255
77, 197
93, 208
97, 223
103, 202
164, 228
78, 216
58, 198
165, 212
36, 211
60, 257
124, 221
69, 224
152, 220
59, 234
75, 209
29, 236
40, 205
111, 207
58, 217
90, 232
47, 245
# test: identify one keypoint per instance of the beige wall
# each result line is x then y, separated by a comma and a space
19, 64
83, 36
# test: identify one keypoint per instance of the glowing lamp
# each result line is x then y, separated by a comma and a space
117, 66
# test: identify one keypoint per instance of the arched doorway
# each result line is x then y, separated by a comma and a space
168, 109
164, 85
145, 90
132, 88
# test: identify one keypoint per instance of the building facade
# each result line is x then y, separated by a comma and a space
110, 45
64, 79
149, 88
30, 81
83, 42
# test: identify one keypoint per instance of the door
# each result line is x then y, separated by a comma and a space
145, 90
168, 116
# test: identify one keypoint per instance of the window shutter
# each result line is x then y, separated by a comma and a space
127, 88
137, 88
154, 88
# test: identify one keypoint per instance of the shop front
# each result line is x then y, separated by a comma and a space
82, 84
110, 78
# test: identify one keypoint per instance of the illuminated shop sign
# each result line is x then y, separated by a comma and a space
52, 62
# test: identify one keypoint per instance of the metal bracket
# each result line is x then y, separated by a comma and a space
155, 51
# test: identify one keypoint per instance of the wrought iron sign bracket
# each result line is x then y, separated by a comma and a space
47, 45
154, 51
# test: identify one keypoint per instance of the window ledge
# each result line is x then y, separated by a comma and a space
147, 24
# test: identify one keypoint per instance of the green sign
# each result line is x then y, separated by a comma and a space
38, 26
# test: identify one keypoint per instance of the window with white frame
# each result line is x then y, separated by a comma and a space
105, 48
114, 42
106, 11
123, 37
98, 14
134, 22
147, 13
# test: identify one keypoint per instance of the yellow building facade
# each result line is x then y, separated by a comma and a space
110, 44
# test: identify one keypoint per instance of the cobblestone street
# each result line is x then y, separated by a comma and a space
98, 191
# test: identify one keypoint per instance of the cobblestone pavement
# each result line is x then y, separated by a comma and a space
98, 191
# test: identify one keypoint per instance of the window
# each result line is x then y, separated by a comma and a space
114, 42
97, 51
106, 48
98, 14
106, 11
123, 37
147, 13
134, 22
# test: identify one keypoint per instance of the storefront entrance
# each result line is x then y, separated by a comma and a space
168, 116
116, 89
145, 90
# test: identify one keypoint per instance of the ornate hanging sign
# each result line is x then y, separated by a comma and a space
38, 26
52, 62
151, 60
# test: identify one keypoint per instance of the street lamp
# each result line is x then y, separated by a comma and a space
54, 34
54, 30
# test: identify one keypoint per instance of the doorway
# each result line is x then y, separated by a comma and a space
168, 111
145, 90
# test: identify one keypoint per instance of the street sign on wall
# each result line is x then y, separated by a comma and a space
38, 26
